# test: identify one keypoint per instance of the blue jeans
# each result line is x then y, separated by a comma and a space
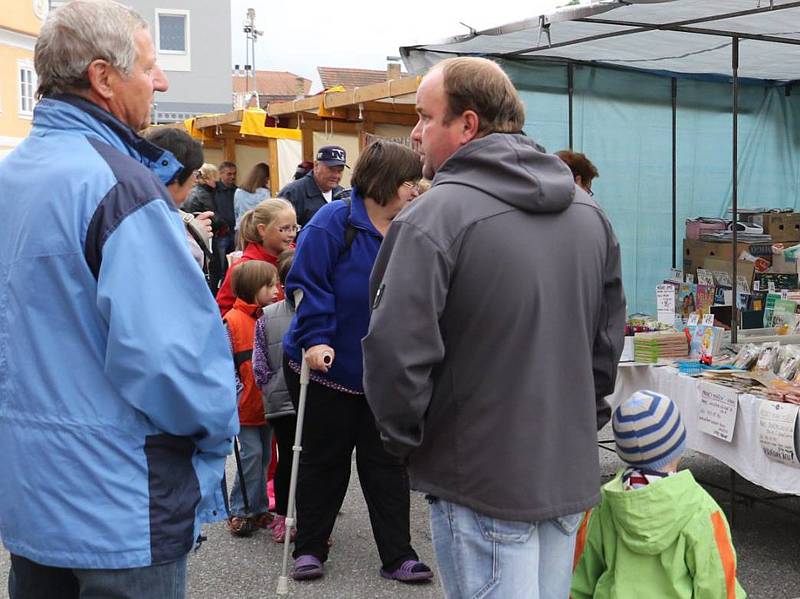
29, 580
255, 449
479, 556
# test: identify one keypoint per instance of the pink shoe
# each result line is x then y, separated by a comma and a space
279, 529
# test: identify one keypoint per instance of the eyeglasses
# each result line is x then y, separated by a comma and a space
411, 185
289, 229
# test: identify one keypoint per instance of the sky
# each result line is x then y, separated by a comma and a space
362, 33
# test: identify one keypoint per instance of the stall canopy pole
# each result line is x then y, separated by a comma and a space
674, 169
735, 189
570, 90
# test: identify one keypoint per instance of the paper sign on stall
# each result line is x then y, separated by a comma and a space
665, 303
776, 426
716, 414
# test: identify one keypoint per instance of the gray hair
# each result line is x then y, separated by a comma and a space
79, 32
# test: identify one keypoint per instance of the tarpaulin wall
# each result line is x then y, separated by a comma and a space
622, 121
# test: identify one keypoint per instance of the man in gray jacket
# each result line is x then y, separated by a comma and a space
498, 320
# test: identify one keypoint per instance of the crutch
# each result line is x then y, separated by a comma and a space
283, 581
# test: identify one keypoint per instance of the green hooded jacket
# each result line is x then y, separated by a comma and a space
669, 540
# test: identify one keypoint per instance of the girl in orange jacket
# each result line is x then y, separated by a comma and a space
254, 284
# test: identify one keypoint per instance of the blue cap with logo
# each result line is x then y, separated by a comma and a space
332, 156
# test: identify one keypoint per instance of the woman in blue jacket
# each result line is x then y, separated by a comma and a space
335, 254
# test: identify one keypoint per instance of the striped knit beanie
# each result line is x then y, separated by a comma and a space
648, 430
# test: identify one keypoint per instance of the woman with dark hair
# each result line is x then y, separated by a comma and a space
335, 254
253, 191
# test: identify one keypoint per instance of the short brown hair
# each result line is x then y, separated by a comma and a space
249, 277
285, 261
480, 85
382, 167
579, 164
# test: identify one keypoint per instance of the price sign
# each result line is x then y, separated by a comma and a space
716, 414
665, 304
708, 319
776, 431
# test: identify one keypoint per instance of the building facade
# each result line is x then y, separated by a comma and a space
193, 44
20, 22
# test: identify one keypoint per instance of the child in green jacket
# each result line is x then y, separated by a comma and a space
656, 532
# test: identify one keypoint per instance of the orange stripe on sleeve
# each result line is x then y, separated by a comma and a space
725, 553
580, 539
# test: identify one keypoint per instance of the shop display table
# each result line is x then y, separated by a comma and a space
743, 454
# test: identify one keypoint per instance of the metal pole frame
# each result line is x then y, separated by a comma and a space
735, 189
674, 171
570, 93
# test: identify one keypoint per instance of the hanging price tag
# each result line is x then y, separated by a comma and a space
693, 319
771, 286
756, 285
708, 319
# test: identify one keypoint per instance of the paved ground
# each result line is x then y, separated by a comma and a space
767, 541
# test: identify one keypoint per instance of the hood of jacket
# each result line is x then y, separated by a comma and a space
649, 519
512, 168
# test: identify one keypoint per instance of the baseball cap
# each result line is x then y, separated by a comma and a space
332, 156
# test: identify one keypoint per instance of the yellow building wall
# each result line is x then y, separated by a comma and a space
19, 26
11, 124
19, 16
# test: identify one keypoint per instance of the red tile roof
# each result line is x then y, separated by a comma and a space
278, 84
351, 78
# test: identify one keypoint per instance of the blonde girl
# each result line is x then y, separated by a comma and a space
264, 232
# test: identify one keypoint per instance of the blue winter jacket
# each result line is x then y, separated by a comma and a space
335, 283
117, 392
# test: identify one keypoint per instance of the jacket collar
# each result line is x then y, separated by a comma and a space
68, 111
253, 310
256, 251
358, 214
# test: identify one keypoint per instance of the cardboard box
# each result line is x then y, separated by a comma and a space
781, 265
695, 253
782, 226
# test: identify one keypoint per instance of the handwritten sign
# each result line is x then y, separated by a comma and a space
716, 414
693, 320
689, 278
708, 319
665, 304
776, 427
676, 275
756, 285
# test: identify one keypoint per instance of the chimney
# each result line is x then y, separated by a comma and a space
393, 70
299, 87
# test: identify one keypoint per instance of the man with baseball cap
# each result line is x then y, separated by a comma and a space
321, 185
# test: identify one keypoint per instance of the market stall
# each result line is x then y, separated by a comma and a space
687, 108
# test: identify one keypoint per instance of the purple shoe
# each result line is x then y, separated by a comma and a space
411, 570
307, 567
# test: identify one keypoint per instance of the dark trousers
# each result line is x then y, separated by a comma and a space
220, 248
30, 580
336, 423
283, 428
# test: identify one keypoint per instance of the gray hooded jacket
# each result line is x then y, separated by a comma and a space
498, 320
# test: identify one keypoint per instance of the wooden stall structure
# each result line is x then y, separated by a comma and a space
349, 118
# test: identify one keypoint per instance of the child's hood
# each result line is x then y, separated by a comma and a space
648, 520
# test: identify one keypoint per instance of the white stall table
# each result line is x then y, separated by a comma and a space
743, 454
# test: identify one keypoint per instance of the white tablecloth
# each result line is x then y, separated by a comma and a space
743, 453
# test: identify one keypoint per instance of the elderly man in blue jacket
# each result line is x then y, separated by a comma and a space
117, 401
319, 186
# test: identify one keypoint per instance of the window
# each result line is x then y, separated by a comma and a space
172, 33
27, 87
173, 41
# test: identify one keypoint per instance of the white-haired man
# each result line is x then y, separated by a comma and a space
118, 400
